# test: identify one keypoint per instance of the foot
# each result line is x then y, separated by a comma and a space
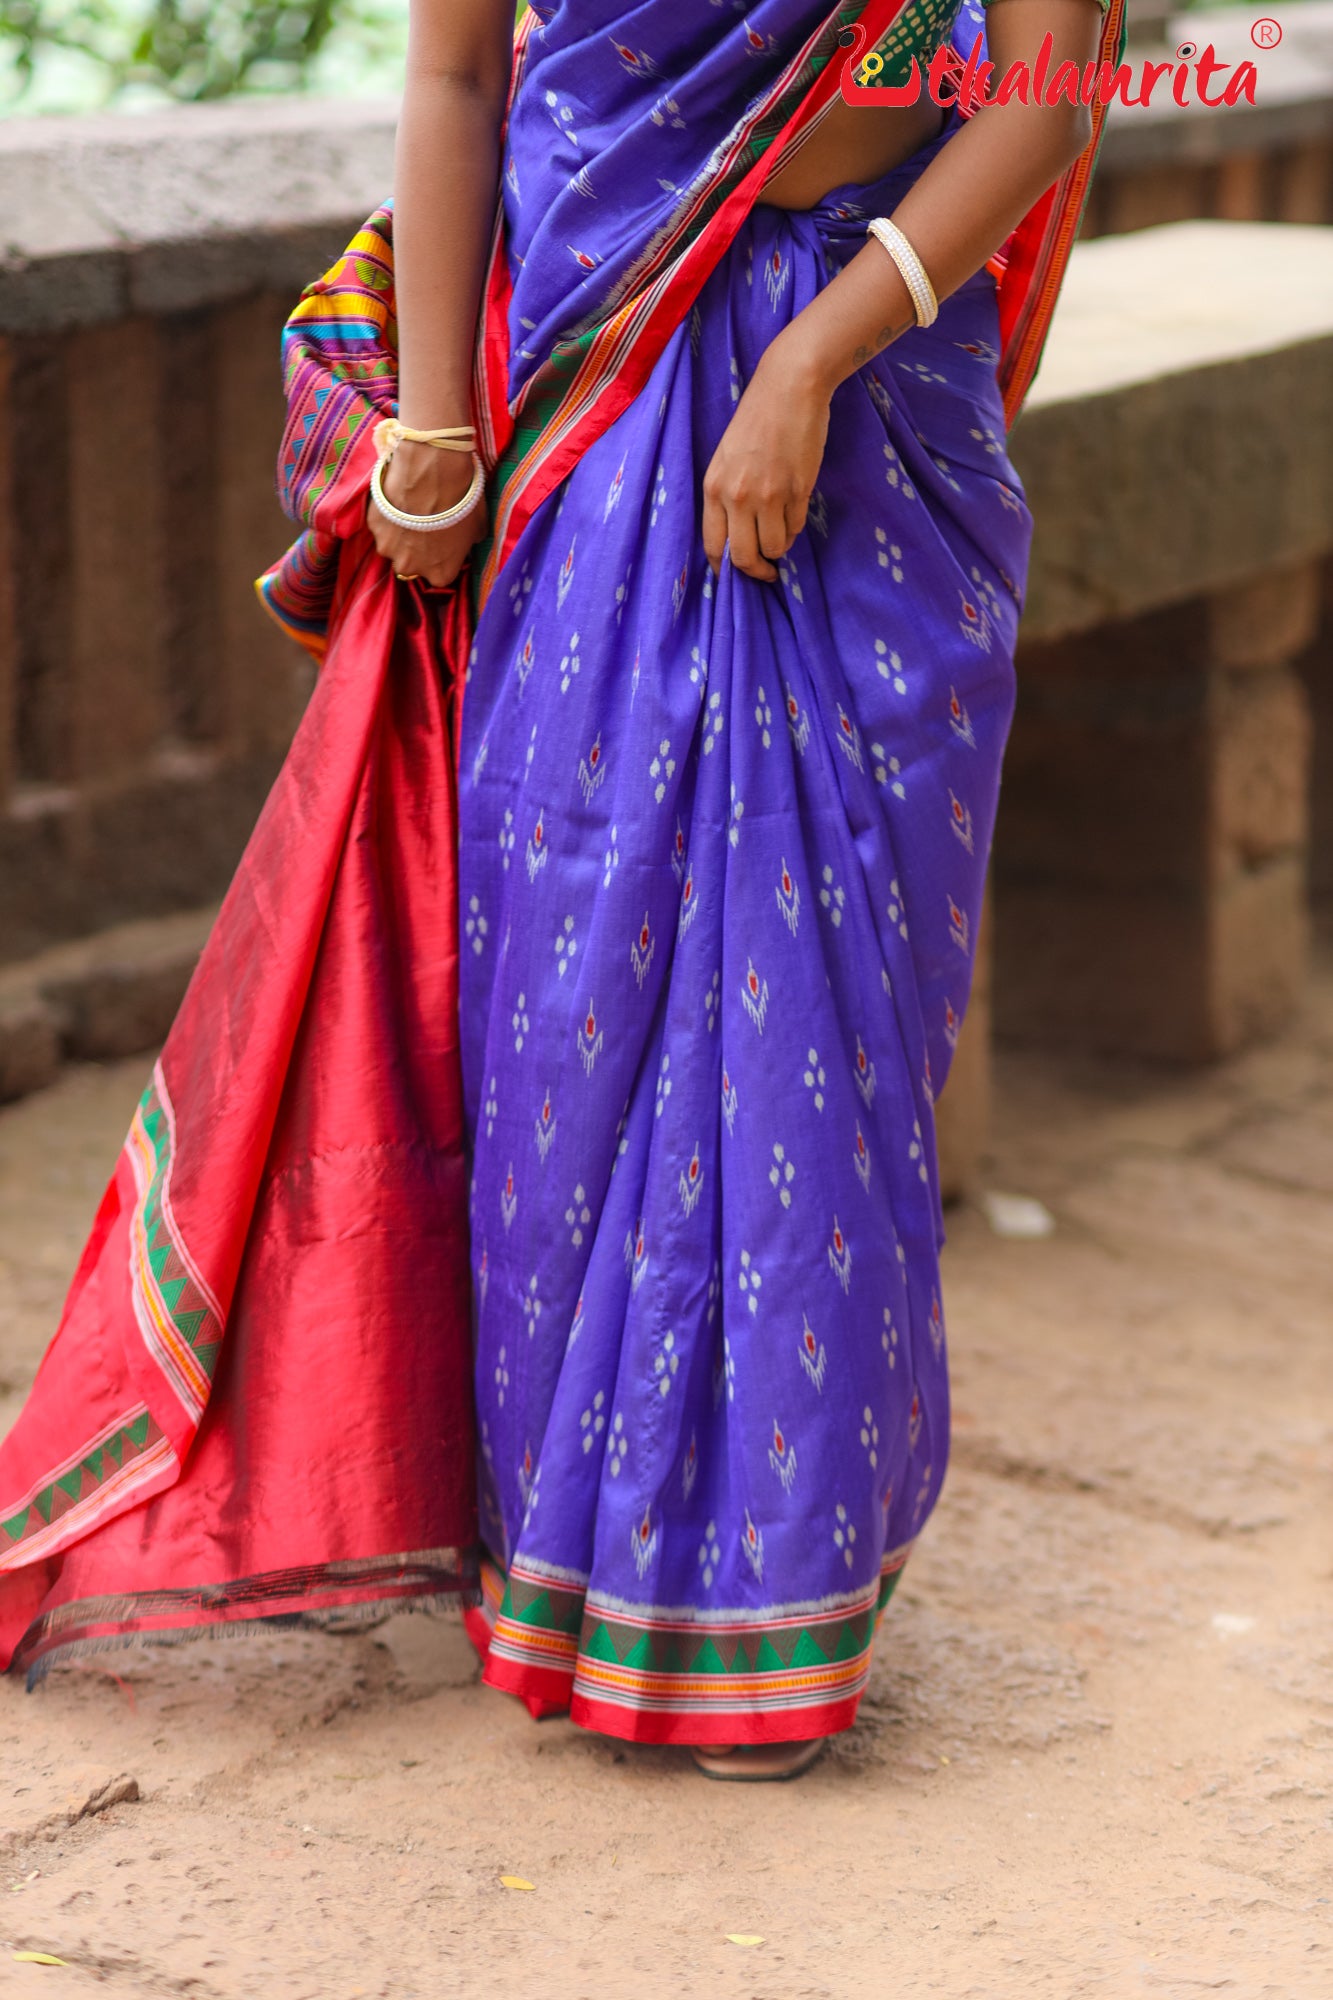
756, 1763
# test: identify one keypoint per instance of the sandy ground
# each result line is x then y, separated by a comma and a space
1097, 1752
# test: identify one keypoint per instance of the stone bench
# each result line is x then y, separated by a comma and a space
1152, 852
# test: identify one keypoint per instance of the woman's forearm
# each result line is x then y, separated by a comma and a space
960, 210
756, 491
444, 203
445, 180
446, 177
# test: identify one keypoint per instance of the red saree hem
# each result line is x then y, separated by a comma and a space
748, 1727
543, 1691
431, 1579
479, 1623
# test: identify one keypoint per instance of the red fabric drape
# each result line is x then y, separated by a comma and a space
274, 1299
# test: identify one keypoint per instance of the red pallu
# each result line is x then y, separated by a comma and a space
295, 1179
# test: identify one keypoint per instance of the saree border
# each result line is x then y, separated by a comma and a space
126, 1455
654, 1676
301, 1597
181, 1323
1039, 250
178, 1314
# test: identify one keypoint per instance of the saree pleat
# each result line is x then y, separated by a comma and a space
723, 848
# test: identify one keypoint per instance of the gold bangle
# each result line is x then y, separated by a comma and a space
389, 434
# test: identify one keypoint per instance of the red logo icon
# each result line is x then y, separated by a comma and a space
1266, 33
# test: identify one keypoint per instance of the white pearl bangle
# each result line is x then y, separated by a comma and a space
422, 524
910, 268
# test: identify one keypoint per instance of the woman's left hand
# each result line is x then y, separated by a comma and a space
757, 488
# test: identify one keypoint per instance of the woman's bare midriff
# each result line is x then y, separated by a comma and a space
852, 144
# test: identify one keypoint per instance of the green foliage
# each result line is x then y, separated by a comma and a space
210, 51
187, 50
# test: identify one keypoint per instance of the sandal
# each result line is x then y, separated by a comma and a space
758, 1763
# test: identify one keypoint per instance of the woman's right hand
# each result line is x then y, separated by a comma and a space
421, 479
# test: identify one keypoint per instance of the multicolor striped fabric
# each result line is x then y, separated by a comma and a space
179, 1317
340, 376
126, 1457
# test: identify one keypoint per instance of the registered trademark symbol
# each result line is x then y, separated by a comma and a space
1266, 33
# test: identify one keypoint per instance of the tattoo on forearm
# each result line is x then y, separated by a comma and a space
881, 340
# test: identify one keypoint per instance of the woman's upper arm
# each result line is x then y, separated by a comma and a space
1015, 30
469, 42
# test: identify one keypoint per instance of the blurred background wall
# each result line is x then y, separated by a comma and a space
1165, 830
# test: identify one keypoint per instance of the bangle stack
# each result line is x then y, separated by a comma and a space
389, 434
910, 268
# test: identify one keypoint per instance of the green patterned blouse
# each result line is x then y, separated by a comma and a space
920, 29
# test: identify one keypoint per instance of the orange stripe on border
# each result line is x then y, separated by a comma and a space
1040, 249
518, 1641
711, 1690
161, 1335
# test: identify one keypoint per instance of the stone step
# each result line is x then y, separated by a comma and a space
112, 994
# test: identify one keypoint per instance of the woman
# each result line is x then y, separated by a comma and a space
737, 641
730, 747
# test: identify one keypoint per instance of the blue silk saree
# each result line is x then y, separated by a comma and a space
722, 855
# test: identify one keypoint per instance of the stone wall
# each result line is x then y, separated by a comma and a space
145, 702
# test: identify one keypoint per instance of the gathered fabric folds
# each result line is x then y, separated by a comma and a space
257, 1404
722, 868
723, 859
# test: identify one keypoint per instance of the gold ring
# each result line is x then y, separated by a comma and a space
407, 576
